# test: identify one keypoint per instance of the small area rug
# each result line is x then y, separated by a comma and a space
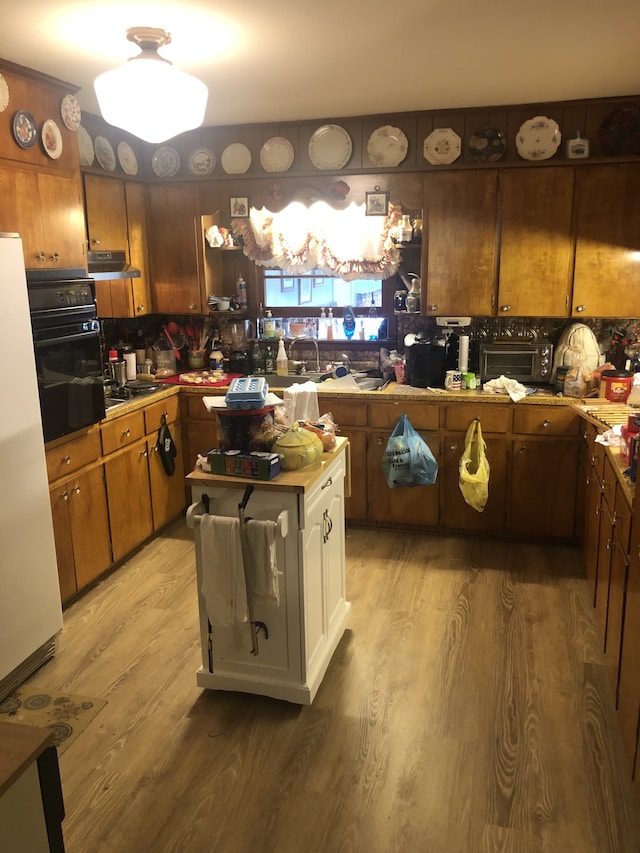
68, 715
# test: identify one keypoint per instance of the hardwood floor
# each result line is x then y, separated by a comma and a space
467, 710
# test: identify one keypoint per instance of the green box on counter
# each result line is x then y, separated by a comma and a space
238, 463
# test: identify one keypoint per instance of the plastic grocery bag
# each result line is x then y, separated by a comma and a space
408, 460
474, 468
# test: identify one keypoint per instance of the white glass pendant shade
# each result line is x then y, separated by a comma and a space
150, 98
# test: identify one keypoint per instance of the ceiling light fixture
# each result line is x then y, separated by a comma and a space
147, 96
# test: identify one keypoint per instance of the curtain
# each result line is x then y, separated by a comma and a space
344, 243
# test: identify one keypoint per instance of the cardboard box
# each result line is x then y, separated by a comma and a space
237, 463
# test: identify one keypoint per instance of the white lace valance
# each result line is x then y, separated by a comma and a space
344, 243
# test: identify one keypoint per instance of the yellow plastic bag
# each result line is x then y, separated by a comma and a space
474, 468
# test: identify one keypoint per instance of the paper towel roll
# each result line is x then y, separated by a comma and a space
463, 354
130, 361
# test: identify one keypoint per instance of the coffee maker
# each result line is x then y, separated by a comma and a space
431, 353
235, 340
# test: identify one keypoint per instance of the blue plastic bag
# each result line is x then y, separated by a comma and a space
408, 460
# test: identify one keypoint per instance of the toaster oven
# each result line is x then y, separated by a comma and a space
525, 361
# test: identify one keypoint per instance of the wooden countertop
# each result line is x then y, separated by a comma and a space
20, 746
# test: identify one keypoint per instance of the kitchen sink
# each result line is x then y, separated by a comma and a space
363, 381
275, 381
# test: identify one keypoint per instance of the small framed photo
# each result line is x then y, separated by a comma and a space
239, 207
377, 204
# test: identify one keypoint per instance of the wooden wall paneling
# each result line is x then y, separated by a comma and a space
574, 119
424, 126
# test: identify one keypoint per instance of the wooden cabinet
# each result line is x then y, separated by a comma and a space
139, 289
129, 496
350, 421
459, 253
46, 210
545, 462
173, 222
199, 430
536, 244
106, 213
629, 678
607, 274
168, 495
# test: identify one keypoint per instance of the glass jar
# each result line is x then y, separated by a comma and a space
405, 230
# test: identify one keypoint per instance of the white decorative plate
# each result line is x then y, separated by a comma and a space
236, 159
202, 161
330, 147
51, 139
70, 112
276, 155
387, 146
104, 153
85, 147
538, 138
127, 158
4, 94
165, 161
442, 146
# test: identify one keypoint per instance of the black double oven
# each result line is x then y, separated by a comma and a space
66, 340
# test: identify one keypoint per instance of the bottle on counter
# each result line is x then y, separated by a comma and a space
269, 361
269, 325
330, 324
282, 362
257, 359
241, 290
348, 322
215, 358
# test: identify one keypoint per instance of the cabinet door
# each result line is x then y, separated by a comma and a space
603, 570
60, 200
543, 487
63, 537
615, 611
129, 496
199, 437
106, 213
405, 505
459, 248
592, 532
629, 680
356, 505
607, 273
536, 246
168, 495
138, 248
174, 254
458, 515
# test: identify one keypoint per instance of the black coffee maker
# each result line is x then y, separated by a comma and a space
426, 359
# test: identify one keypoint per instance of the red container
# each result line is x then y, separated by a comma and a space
617, 385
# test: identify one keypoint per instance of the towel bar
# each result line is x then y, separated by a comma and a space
197, 510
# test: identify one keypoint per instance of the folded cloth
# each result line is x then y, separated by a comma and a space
223, 585
503, 385
261, 537
304, 400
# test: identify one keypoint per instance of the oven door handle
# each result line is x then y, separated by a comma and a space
79, 336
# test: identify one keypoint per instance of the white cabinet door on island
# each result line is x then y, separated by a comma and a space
300, 634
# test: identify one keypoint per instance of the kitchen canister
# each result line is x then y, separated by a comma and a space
617, 385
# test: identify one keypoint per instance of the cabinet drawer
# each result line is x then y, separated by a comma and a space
69, 457
345, 412
545, 420
154, 411
194, 407
122, 431
421, 415
493, 418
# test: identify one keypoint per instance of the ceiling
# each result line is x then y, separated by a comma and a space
282, 60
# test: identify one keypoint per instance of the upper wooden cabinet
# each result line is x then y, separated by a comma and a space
174, 220
607, 268
536, 245
460, 253
106, 214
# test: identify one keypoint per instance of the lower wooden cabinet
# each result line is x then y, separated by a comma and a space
129, 496
81, 530
629, 677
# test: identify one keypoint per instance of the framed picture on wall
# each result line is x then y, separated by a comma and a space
239, 207
377, 204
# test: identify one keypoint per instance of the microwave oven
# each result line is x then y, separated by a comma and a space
525, 361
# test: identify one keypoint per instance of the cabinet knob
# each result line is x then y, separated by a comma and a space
76, 489
505, 307
65, 495
324, 485
580, 308
67, 460
192, 306
95, 241
144, 452
453, 446
546, 423
126, 433
523, 449
380, 442
433, 307
139, 308
55, 257
41, 256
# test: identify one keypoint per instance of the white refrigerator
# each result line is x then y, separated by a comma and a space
30, 608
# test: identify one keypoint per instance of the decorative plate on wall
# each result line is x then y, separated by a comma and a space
387, 146
487, 145
104, 153
619, 133
165, 161
127, 158
51, 139
70, 112
25, 131
202, 161
442, 146
276, 155
85, 147
538, 138
236, 159
330, 147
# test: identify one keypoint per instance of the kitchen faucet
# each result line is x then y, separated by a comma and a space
314, 342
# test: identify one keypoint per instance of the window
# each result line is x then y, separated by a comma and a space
316, 290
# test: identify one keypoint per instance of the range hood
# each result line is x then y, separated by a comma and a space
107, 265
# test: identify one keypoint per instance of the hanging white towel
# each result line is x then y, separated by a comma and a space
304, 398
223, 585
261, 538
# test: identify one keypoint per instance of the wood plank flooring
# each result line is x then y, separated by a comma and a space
467, 710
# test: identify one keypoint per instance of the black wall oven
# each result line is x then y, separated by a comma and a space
66, 341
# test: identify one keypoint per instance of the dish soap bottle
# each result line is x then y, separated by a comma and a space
330, 325
282, 363
348, 322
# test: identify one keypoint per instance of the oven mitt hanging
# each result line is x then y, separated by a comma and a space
166, 447
407, 459
474, 469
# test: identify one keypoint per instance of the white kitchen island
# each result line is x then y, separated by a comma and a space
306, 626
